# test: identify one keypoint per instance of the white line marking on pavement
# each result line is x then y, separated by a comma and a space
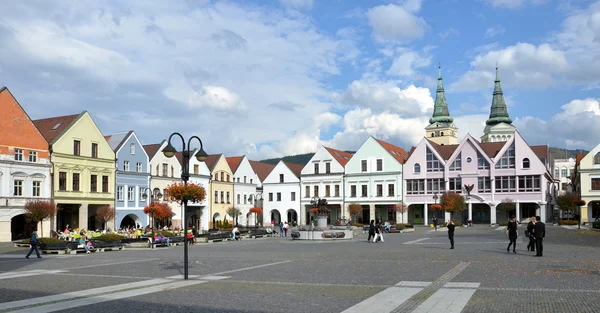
439, 229
249, 268
385, 301
9, 275
108, 264
501, 228
461, 285
109, 297
415, 241
215, 277
458, 242
79, 294
446, 301
413, 283
181, 276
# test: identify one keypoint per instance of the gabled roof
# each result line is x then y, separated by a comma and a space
445, 151
116, 141
152, 149
295, 168
212, 160
341, 156
492, 148
541, 151
261, 169
179, 156
52, 128
579, 157
398, 153
234, 162
5, 89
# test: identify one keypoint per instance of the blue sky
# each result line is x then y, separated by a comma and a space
280, 77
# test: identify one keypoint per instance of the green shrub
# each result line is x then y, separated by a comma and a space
47, 240
568, 222
405, 225
109, 237
503, 223
225, 224
164, 233
596, 225
358, 225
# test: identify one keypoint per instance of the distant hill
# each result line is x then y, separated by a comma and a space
560, 153
557, 153
297, 159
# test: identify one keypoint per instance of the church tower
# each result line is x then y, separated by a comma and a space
499, 125
441, 128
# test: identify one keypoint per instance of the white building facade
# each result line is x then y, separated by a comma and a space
198, 213
323, 177
245, 184
281, 194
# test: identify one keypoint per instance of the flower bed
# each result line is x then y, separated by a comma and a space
568, 222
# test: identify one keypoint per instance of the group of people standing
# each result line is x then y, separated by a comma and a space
536, 231
375, 232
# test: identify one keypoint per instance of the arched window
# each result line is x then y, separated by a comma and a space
525, 163
432, 135
597, 158
503, 138
417, 168
442, 133
493, 139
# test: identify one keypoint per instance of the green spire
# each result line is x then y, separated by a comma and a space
498, 113
440, 109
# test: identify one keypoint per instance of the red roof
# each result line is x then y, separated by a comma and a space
54, 126
341, 156
295, 168
152, 149
261, 169
579, 157
211, 160
107, 138
398, 153
179, 156
234, 162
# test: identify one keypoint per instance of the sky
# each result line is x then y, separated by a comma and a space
270, 78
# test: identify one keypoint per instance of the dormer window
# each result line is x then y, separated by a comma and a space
597, 158
417, 168
525, 163
18, 154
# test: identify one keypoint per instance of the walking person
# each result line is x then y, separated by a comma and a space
371, 230
512, 233
280, 229
451, 227
286, 226
529, 233
378, 233
539, 232
435, 222
34, 243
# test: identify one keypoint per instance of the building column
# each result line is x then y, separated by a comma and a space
470, 206
372, 212
542, 213
493, 214
137, 196
125, 195
83, 216
518, 211
425, 218
446, 217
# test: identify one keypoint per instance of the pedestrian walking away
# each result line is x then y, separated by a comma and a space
371, 230
451, 227
512, 233
378, 233
435, 221
529, 234
34, 243
539, 232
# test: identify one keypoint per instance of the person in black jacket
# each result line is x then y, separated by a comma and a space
539, 232
33, 242
511, 232
530, 229
371, 230
451, 227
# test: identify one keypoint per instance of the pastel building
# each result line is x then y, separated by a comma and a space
83, 169
563, 173
374, 180
587, 182
132, 180
163, 173
501, 167
281, 193
24, 169
221, 188
245, 183
323, 177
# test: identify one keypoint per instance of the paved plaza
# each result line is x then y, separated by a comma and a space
414, 272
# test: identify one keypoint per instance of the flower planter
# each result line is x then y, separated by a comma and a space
54, 245
106, 243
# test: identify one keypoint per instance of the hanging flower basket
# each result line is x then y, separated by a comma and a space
159, 210
190, 192
256, 210
436, 207
579, 202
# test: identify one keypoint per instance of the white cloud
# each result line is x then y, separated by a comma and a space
396, 23
216, 97
326, 120
575, 107
298, 4
449, 32
523, 65
406, 62
493, 31
512, 4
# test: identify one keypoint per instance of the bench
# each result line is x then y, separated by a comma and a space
258, 233
216, 237
153, 243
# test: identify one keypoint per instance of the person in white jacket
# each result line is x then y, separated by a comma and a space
234, 232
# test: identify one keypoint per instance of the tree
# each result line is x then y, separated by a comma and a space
452, 202
39, 210
158, 210
566, 202
401, 208
354, 209
507, 205
234, 212
105, 213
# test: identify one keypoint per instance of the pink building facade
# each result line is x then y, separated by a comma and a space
501, 167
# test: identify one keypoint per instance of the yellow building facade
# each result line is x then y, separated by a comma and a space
221, 188
588, 181
83, 169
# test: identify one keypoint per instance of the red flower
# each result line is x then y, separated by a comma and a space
159, 210
436, 207
190, 192
256, 210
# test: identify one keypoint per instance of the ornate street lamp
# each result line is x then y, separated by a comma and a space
169, 151
156, 194
256, 197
